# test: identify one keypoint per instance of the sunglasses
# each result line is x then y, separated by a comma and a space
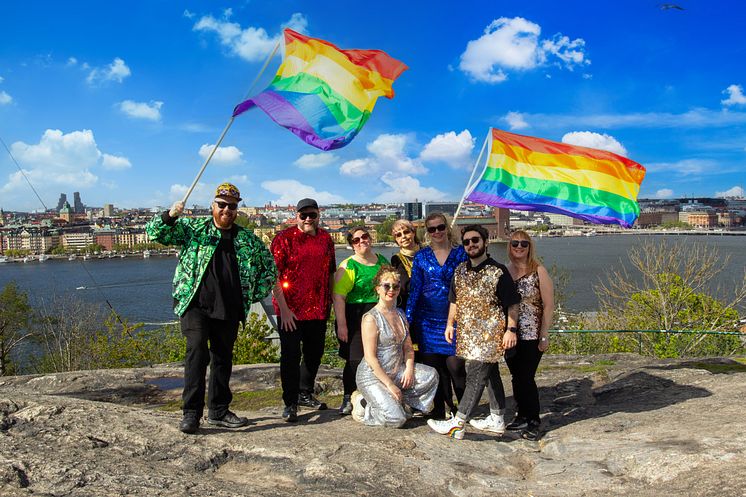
522, 243
473, 240
387, 287
433, 229
222, 205
358, 239
402, 233
308, 215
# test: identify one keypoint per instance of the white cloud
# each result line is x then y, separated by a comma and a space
227, 156
116, 71
290, 191
451, 148
695, 118
735, 96
686, 167
239, 179
115, 163
595, 140
5, 99
142, 110
514, 44
664, 193
58, 159
253, 44
387, 154
407, 189
515, 120
315, 161
72, 61
201, 195
736, 191
188, 14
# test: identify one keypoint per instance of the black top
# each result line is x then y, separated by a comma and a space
506, 291
219, 292
403, 280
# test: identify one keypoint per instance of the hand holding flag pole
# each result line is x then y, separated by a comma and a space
230, 122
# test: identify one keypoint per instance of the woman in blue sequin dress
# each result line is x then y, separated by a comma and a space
427, 309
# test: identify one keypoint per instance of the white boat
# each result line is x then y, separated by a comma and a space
71, 258
145, 254
43, 257
3, 259
26, 259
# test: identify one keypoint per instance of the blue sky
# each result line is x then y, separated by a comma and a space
118, 100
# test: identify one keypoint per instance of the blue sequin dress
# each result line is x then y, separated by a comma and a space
427, 309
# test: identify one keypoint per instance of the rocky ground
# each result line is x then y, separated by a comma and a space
616, 425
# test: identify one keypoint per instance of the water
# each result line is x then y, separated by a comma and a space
140, 289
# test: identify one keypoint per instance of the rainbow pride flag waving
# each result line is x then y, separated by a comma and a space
532, 174
323, 94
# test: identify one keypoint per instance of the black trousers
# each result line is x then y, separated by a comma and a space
479, 375
209, 342
452, 379
300, 356
522, 365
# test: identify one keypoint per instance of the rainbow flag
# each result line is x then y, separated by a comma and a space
323, 94
531, 174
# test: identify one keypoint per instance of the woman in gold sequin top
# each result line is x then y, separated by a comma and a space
535, 315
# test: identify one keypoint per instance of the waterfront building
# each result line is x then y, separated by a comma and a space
77, 238
562, 220
703, 219
445, 207
106, 237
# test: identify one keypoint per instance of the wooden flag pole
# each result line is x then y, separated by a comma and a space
230, 122
468, 184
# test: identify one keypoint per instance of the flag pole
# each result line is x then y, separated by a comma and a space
468, 184
230, 122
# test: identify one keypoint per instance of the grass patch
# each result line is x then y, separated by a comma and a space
737, 366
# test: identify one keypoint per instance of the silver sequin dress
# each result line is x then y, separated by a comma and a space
381, 408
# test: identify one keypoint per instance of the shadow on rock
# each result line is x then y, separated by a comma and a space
576, 400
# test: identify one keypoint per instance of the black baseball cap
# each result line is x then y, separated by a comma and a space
306, 202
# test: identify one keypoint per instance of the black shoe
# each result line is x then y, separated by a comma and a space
346, 408
229, 420
532, 432
189, 423
290, 413
518, 423
306, 399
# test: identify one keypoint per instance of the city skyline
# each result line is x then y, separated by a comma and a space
125, 112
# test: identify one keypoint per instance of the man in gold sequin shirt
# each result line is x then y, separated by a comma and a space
484, 305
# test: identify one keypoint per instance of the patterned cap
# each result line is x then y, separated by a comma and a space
228, 190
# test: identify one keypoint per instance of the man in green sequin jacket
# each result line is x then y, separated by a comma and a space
222, 269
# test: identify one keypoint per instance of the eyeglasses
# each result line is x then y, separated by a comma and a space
358, 239
522, 243
230, 205
474, 240
387, 287
433, 229
403, 232
308, 215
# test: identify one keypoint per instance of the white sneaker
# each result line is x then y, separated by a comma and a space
453, 427
494, 423
358, 411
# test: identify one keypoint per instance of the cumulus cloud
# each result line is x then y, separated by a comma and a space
736, 191
226, 156
253, 44
315, 161
595, 140
201, 195
115, 163
290, 190
406, 189
141, 110
387, 154
515, 120
735, 96
664, 193
5, 99
515, 44
451, 148
116, 71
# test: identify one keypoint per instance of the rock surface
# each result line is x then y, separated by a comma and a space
615, 425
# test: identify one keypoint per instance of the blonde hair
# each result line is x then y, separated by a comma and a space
404, 223
385, 271
531, 262
446, 221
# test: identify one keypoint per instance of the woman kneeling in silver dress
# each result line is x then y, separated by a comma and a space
388, 378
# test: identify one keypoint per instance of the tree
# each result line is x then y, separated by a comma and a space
384, 229
15, 319
673, 291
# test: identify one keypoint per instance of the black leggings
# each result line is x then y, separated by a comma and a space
452, 373
522, 364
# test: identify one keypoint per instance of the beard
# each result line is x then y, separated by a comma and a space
479, 253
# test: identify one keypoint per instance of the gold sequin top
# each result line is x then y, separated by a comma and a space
480, 318
531, 309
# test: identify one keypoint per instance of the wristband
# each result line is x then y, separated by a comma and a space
514, 329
